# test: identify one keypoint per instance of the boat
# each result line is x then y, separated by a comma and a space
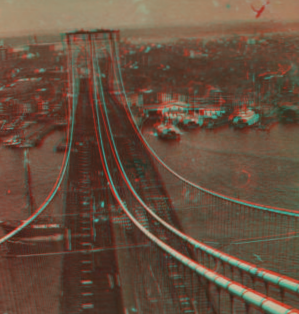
26, 144
14, 141
245, 118
18, 141
189, 122
61, 123
168, 131
217, 121
210, 118
41, 227
288, 114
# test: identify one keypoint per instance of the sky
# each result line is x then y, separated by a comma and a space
21, 17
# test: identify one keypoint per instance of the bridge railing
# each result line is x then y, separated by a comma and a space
224, 262
207, 290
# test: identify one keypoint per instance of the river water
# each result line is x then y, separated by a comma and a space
261, 167
45, 166
257, 166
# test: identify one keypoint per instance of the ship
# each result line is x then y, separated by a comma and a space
10, 127
168, 132
18, 141
14, 141
217, 121
245, 118
288, 114
210, 118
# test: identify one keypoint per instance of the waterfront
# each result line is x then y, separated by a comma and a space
257, 166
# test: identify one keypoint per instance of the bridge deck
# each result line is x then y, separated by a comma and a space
90, 280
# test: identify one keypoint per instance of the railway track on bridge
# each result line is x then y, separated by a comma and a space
90, 279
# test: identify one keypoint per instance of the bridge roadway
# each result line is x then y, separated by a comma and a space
89, 280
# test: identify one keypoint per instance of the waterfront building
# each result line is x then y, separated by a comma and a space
3, 53
164, 97
44, 51
135, 100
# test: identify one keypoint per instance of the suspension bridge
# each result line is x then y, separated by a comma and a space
120, 246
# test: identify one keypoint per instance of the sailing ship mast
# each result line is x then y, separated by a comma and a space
259, 99
30, 200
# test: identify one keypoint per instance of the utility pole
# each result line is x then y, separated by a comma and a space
194, 92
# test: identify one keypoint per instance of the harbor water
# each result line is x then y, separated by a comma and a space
252, 165
257, 166
45, 166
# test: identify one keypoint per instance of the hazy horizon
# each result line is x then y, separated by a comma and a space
149, 26
41, 16
175, 31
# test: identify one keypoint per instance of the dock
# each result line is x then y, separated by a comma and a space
34, 138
